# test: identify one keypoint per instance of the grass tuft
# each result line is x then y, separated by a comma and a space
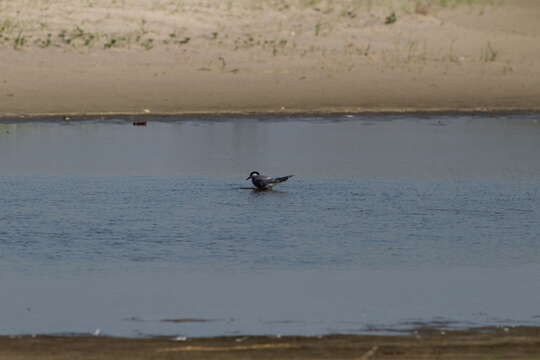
489, 53
390, 19
19, 41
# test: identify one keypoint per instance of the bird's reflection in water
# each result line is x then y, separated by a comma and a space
261, 191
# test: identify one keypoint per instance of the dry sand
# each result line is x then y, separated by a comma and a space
185, 56
498, 343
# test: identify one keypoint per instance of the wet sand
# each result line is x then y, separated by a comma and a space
488, 343
174, 57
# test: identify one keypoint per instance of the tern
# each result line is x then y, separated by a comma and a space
263, 182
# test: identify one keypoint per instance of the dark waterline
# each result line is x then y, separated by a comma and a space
390, 223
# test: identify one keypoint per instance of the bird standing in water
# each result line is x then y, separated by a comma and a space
263, 182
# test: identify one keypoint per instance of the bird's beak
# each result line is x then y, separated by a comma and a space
249, 177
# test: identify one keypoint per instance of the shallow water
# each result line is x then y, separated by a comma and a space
391, 222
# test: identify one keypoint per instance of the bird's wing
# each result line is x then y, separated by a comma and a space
262, 181
281, 179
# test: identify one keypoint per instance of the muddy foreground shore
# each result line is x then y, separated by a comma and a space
486, 343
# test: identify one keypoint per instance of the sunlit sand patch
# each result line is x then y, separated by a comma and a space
231, 348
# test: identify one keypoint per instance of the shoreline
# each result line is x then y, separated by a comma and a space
353, 112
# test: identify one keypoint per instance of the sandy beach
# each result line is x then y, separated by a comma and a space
200, 56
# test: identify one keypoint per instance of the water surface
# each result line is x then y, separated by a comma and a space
390, 223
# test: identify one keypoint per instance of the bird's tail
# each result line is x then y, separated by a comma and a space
282, 179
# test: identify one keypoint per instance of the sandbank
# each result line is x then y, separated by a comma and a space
106, 57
